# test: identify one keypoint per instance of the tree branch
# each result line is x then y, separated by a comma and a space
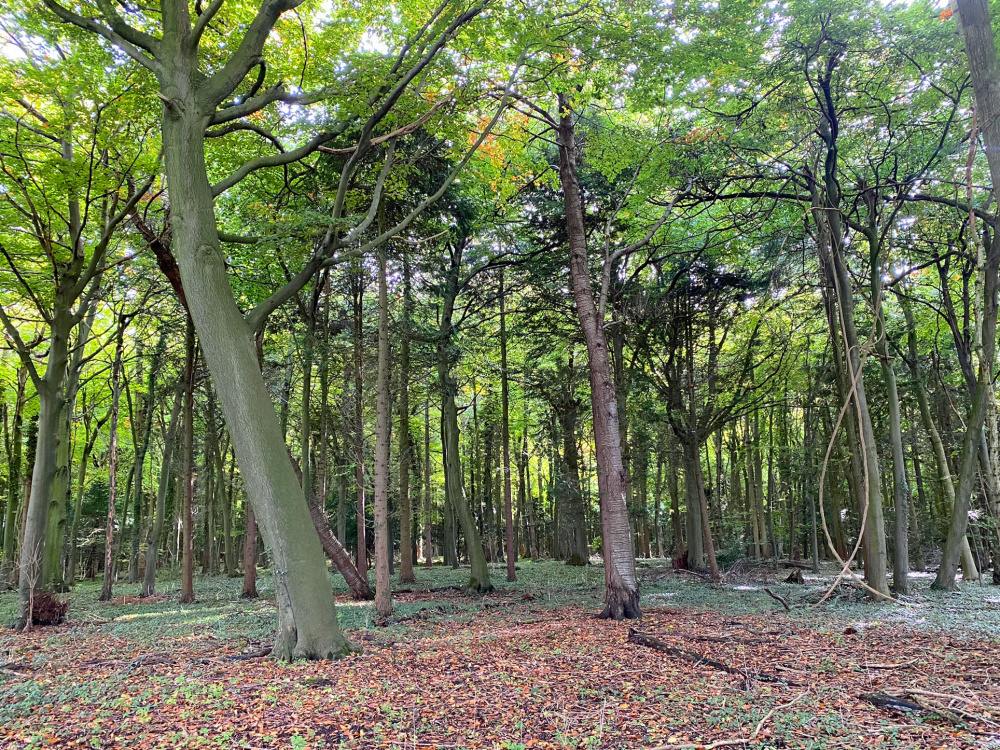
89, 24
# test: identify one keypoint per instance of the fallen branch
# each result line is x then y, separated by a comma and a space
777, 598
258, 654
649, 641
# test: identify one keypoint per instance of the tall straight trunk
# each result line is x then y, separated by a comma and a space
357, 286
428, 519
226, 496
508, 510
917, 555
187, 513
141, 448
156, 528
970, 571
757, 480
90, 438
479, 576
572, 513
383, 545
901, 487
658, 502
621, 582
15, 447
109, 529
405, 501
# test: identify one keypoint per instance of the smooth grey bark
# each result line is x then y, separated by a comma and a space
621, 582
50, 406
156, 527
307, 620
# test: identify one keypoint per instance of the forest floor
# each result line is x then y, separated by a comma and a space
525, 667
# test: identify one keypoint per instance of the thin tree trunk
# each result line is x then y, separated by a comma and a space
187, 518
156, 528
383, 585
405, 501
109, 529
621, 582
250, 556
428, 520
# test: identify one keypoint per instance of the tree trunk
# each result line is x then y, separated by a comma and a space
405, 501
109, 530
383, 545
50, 406
357, 288
14, 482
508, 510
250, 556
156, 528
947, 488
307, 618
621, 583
187, 518
428, 520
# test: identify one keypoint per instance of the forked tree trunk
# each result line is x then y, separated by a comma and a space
621, 583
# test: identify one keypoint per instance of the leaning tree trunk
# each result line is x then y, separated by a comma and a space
307, 616
621, 583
